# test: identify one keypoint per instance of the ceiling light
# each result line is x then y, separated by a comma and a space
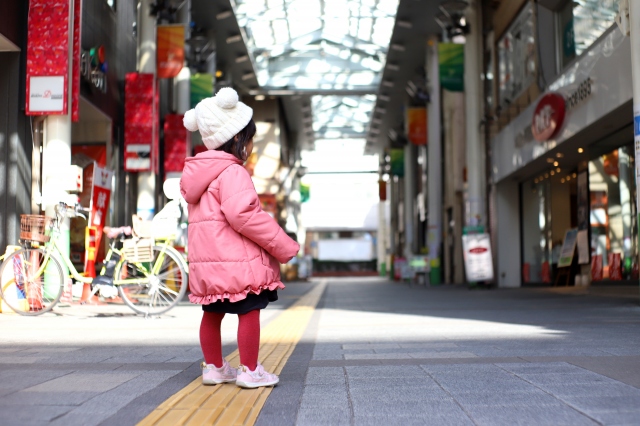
393, 67
383, 98
404, 24
381, 110
558, 170
248, 75
242, 58
555, 164
580, 150
552, 173
260, 98
387, 83
550, 160
559, 155
234, 39
376, 121
398, 47
224, 15
374, 131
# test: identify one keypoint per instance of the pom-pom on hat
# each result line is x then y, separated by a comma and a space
218, 118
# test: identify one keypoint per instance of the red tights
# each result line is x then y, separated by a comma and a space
248, 338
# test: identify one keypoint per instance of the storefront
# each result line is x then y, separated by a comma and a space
570, 158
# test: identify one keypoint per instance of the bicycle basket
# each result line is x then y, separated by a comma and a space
35, 227
138, 250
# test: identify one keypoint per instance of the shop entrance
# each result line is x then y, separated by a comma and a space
549, 209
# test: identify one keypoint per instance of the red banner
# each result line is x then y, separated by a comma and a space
75, 79
417, 125
47, 57
170, 53
545, 273
175, 143
140, 129
100, 196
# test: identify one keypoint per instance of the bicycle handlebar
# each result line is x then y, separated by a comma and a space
63, 209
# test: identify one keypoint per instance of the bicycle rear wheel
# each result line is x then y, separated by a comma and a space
153, 294
23, 289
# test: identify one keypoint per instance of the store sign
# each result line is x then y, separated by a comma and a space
93, 67
478, 261
100, 196
46, 94
47, 57
140, 119
548, 116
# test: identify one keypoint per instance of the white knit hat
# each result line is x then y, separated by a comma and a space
218, 118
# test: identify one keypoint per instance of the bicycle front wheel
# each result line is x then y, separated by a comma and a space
28, 287
153, 293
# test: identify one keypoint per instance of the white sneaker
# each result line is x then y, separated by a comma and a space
255, 379
212, 375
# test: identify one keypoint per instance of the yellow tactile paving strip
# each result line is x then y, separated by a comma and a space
227, 404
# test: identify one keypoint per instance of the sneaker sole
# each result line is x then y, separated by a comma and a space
251, 385
217, 382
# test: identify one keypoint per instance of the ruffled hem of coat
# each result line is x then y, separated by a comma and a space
234, 297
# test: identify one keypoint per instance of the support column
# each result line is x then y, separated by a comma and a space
475, 199
382, 231
434, 168
634, 25
409, 199
146, 204
56, 159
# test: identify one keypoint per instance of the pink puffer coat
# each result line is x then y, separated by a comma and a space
234, 246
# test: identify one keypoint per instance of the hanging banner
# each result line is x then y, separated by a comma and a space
139, 121
75, 76
170, 53
201, 88
397, 161
100, 196
176, 138
47, 57
451, 61
417, 125
478, 261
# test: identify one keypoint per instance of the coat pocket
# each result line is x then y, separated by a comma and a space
266, 261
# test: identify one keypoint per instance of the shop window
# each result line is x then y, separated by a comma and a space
612, 209
580, 25
516, 51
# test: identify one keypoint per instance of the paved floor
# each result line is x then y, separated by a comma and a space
375, 353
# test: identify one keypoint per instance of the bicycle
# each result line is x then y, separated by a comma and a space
150, 275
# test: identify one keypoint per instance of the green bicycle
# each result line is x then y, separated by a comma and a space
150, 275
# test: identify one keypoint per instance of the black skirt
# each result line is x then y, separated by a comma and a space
250, 303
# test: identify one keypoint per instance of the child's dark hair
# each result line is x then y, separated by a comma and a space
236, 147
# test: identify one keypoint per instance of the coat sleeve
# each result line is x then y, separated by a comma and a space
241, 207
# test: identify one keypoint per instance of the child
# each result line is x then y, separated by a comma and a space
234, 246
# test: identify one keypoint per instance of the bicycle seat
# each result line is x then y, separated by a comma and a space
115, 232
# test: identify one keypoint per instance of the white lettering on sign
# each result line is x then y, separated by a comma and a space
542, 120
46, 94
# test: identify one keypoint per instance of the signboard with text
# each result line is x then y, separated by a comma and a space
100, 197
47, 57
478, 261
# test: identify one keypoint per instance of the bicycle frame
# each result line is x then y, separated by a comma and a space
53, 248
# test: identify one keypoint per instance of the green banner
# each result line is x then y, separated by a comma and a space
201, 88
451, 60
305, 192
397, 161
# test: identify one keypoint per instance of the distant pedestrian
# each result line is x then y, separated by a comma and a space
235, 248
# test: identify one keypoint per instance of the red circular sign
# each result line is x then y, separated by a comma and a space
548, 116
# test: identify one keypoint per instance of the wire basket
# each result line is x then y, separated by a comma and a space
35, 227
138, 250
